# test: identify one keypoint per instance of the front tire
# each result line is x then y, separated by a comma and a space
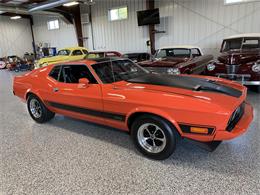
154, 137
38, 111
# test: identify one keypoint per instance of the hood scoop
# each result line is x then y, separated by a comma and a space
185, 82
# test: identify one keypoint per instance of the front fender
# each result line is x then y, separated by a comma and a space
154, 111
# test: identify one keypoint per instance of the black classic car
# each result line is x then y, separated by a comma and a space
137, 57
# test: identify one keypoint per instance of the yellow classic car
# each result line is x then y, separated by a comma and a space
63, 55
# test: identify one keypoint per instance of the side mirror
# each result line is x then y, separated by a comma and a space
83, 83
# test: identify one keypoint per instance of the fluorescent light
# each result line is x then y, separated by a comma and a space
15, 17
70, 3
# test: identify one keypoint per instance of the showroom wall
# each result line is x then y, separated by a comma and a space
65, 36
202, 22
122, 35
15, 36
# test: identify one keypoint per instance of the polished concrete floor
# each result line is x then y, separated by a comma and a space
67, 156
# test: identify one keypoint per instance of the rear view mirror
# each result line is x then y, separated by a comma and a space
83, 83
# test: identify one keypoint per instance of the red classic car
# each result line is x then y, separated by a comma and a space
239, 59
155, 109
176, 60
103, 54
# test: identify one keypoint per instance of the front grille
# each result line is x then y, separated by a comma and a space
235, 117
232, 69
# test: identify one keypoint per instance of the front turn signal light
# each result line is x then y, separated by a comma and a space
199, 130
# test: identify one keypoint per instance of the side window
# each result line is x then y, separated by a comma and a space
76, 53
85, 51
195, 52
55, 72
72, 74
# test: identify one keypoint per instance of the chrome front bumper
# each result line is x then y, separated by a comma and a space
241, 78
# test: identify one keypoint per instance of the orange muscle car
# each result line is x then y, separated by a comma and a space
156, 109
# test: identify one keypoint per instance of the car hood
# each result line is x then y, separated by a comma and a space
165, 62
224, 93
239, 57
53, 59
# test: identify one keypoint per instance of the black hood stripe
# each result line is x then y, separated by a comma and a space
186, 82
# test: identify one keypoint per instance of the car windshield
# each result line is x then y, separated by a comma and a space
118, 70
241, 43
64, 52
173, 52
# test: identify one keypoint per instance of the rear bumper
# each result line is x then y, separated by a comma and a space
240, 128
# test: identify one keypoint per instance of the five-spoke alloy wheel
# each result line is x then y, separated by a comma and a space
38, 111
154, 136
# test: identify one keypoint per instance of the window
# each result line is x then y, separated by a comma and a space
195, 52
173, 52
72, 74
118, 13
85, 51
76, 53
232, 44
250, 43
118, 70
53, 24
55, 73
237, 1
64, 52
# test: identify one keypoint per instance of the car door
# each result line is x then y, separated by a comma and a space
77, 54
69, 97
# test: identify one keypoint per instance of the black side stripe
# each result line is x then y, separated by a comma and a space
108, 115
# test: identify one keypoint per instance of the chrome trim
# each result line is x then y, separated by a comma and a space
242, 76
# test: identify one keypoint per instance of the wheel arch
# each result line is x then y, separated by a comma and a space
154, 112
31, 92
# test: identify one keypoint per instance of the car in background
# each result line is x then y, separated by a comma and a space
137, 57
239, 60
103, 54
155, 109
63, 55
2, 63
15, 63
176, 60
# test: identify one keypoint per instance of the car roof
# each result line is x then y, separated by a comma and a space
244, 35
103, 52
73, 48
180, 47
135, 53
90, 61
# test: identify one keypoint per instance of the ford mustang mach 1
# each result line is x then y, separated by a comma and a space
155, 109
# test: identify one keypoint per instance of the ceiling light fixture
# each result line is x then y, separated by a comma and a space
70, 3
15, 17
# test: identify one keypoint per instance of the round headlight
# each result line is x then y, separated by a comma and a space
173, 71
256, 67
211, 67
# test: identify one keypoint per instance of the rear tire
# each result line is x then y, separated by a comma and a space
38, 111
154, 137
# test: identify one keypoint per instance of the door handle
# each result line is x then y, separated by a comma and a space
55, 89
